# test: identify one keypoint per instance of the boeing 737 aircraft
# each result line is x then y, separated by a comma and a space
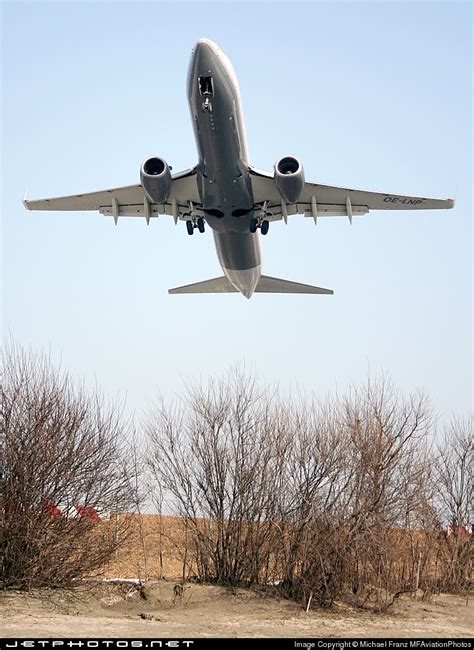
226, 192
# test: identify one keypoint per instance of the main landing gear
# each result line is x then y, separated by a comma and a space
191, 224
263, 224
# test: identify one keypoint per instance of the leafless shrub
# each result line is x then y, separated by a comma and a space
323, 499
315, 483
389, 462
220, 456
137, 482
454, 481
58, 447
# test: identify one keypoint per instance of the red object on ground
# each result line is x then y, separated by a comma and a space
88, 512
51, 510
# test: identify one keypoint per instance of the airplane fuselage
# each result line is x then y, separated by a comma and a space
223, 178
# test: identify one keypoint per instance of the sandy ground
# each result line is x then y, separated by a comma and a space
209, 611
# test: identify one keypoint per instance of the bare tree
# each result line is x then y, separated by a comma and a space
454, 472
388, 450
138, 481
60, 449
220, 457
325, 499
454, 481
356, 476
315, 481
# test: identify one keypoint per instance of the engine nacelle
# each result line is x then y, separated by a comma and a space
155, 177
289, 178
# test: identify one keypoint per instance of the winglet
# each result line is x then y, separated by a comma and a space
25, 202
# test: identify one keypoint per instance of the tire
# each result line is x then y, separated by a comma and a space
253, 225
200, 224
264, 227
190, 227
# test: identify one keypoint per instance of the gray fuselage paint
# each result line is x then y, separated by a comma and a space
223, 178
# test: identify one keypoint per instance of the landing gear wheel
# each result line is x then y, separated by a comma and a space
200, 224
190, 227
253, 224
264, 227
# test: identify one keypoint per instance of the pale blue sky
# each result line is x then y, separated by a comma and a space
373, 95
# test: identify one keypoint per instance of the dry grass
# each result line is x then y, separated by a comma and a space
159, 547
148, 553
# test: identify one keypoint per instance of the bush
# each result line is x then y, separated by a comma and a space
59, 448
324, 499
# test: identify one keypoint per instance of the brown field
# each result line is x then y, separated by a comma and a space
120, 610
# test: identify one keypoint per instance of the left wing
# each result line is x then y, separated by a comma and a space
131, 201
328, 201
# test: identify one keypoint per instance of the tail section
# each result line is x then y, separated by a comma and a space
215, 285
266, 284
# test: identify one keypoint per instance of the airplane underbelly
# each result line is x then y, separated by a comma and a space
226, 188
237, 251
224, 182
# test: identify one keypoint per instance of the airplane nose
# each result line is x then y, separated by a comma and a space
204, 52
206, 43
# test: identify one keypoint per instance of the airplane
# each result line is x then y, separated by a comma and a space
225, 191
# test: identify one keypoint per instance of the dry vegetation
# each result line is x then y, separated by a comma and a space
59, 446
343, 500
324, 499
157, 549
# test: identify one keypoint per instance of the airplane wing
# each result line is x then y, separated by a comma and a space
328, 201
131, 201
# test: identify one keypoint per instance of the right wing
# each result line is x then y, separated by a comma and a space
329, 201
131, 201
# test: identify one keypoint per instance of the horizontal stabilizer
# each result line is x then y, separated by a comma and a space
266, 284
215, 285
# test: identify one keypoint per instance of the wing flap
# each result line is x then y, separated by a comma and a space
156, 209
274, 211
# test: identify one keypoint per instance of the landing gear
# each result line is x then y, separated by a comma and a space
263, 224
191, 224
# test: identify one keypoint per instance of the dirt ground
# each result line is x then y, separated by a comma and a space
118, 610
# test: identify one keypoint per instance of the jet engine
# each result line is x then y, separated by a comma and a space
289, 178
155, 177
